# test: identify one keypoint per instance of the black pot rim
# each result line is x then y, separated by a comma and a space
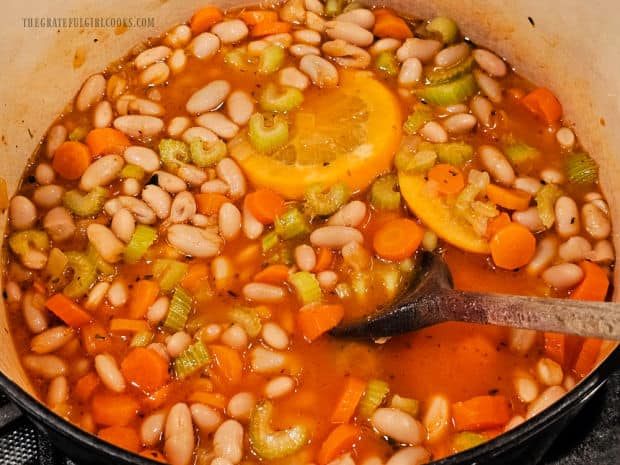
586, 388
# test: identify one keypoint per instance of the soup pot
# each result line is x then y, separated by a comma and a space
570, 46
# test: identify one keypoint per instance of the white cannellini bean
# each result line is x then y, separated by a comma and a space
91, 92
422, 49
398, 425
160, 349
410, 456
209, 333
264, 293
178, 125
169, 182
563, 276
208, 97
549, 372
51, 339
360, 16
192, 175
222, 271
566, 217
315, 22
44, 174
452, 55
147, 107
103, 114
206, 418
437, 417
292, 77
35, 314
410, 72
179, 435
496, 163
49, 196
109, 373
96, 295
204, 45
335, 237
152, 428
459, 123
229, 220
56, 136
266, 361
356, 256
158, 310
603, 252
257, 47
300, 50
545, 253
138, 126
158, 200
193, 241
320, 71
307, 36
527, 184
252, 228
279, 387
13, 293
565, 137
219, 124
143, 157
274, 336
22, 212
183, 207
58, 391
154, 75
46, 366
347, 55
151, 55
305, 257
235, 336
595, 221
482, 109
240, 106
282, 40
548, 397
229, 172
314, 6
228, 441
118, 293
240, 406
105, 242
230, 31
526, 387
177, 343
387, 44
59, 224
514, 422
179, 36
101, 172
216, 186
138, 208
575, 249
489, 86
552, 176
489, 62
349, 32
327, 280
529, 218
198, 132
177, 61
352, 214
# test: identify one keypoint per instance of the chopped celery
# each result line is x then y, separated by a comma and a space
265, 138
343, 290
405, 404
191, 360
307, 286
545, 203
375, 394
290, 224
272, 99
467, 440
521, 154
446, 28
142, 339
132, 171
142, 238
205, 154
84, 275
173, 153
168, 272
360, 284
269, 444
78, 134
455, 153
269, 241
321, 203
386, 63
271, 59
415, 163
84, 205
22, 241
179, 310
581, 169
353, 6
333, 7
100, 264
443, 75
384, 193
420, 116
238, 58
283, 255
247, 318
56, 264
463, 206
449, 93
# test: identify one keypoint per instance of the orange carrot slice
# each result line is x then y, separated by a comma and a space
480, 413
397, 239
71, 159
316, 319
105, 141
512, 246
543, 104
265, 205
449, 178
349, 398
511, 199
68, 311
339, 441
205, 18
594, 285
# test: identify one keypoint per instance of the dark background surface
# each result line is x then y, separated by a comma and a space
593, 438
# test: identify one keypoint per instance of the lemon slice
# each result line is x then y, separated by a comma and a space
435, 213
346, 134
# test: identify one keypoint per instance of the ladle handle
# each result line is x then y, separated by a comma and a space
591, 319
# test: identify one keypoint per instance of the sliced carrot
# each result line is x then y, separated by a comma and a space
121, 436
195, 277
387, 24
316, 319
145, 369
511, 199
212, 399
112, 409
205, 18
228, 362
265, 205
495, 224
209, 203
154, 455
143, 295
86, 385
71, 159
512, 246
339, 441
594, 285
449, 178
480, 413
349, 398
587, 356
543, 104
397, 239
555, 347
127, 325
105, 141
68, 311
95, 339
324, 259
157, 398
273, 274
269, 28
253, 17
